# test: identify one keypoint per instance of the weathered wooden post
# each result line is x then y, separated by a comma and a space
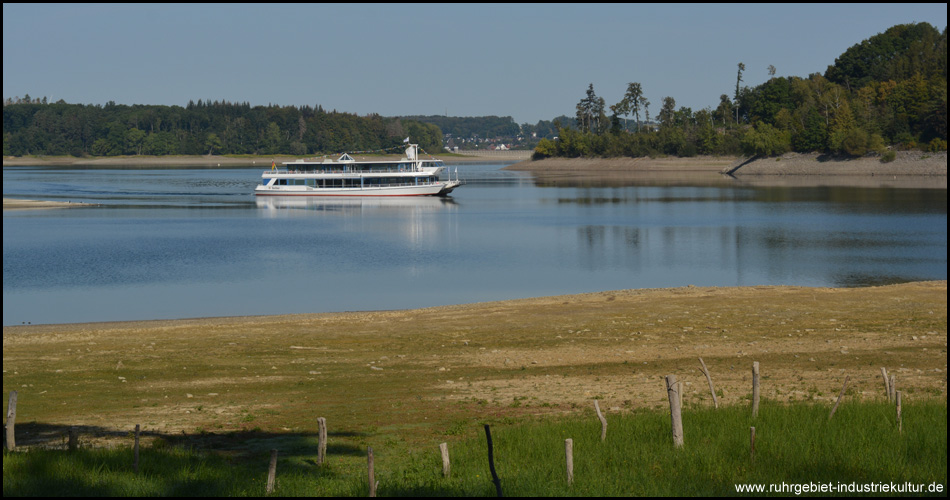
755, 389
372, 473
893, 385
446, 465
887, 385
752, 443
73, 439
840, 395
675, 410
11, 421
900, 423
569, 455
491, 462
272, 472
135, 463
712, 389
603, 421
321, 441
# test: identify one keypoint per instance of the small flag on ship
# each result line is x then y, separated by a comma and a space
405, 140
273, 165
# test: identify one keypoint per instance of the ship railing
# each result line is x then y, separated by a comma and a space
341, 171
372, 185
400, 184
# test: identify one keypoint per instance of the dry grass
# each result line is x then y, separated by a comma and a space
412, 376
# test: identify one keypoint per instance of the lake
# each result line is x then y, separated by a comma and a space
182, 243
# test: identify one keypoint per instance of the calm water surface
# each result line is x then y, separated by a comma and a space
181, 243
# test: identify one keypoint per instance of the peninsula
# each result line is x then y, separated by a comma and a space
906, 163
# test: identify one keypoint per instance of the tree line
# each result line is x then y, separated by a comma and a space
38, 127
890, 89
472, 126
466, 131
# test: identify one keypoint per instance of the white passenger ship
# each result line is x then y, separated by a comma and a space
409, 176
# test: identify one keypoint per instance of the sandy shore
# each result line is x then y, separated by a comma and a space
15, 204
645, 164
548, 354
911, 170
907, 163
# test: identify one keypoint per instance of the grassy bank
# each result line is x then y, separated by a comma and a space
795, 444
404, 381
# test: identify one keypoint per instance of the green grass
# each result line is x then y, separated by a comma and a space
795, 444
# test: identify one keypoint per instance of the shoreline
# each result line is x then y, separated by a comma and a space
507, 304
708, 164
550, 354
907, 163
18, 204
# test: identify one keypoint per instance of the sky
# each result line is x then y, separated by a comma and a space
528, 61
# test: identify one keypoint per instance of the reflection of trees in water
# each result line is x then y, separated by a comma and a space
866, 279
817, 251
609, 246
584, 179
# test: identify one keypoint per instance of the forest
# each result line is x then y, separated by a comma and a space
472, 126
887, 92
37, 127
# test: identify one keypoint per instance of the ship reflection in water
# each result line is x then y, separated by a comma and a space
354, 204
413, 218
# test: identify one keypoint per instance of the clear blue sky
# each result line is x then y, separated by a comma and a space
531, 62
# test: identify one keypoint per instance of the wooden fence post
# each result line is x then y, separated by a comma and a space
840, 395
446, 465
675, 410
321, 441
135, 463
752, 443
372, 473
569, 455
755, 389
491, 462
887, 385
73, 439
603, 421
11, 420
272, 472
712, 389
893, 386
900, 423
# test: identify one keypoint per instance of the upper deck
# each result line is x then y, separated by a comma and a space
330, 166
347, 164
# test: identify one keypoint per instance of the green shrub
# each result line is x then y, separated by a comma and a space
544, 149
855, 142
